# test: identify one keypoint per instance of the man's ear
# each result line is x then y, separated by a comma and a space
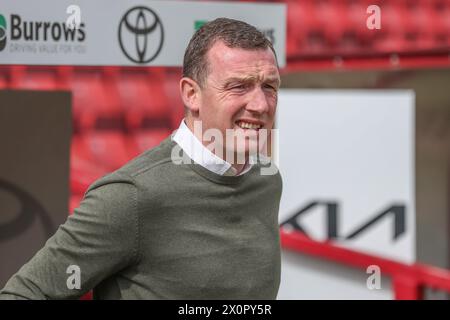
190, 93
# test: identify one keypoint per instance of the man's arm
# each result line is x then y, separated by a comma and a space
100, 238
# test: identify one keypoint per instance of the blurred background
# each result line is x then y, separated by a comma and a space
117, 112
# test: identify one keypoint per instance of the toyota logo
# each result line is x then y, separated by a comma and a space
141, 34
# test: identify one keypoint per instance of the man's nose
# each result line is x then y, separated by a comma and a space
258, 101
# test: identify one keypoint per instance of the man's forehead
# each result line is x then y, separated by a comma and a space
252, 77
243, 64
222, 55
256, 73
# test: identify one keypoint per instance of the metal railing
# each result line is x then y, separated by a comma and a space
408, 281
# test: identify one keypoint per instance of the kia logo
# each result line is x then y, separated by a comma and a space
141, 34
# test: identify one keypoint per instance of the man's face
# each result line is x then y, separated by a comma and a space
240, 92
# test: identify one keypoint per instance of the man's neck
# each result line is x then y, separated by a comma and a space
235, 164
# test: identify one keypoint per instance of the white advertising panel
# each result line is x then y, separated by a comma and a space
347, 162
115, 32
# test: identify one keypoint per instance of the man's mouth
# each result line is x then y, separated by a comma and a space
248, 125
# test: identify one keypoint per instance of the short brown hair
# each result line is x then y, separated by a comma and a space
234, 33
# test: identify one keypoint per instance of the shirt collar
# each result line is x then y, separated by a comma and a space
195, 150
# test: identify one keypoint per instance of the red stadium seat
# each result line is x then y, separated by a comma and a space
99, 118
420, 30
143, 98
332, 18
172, 91
147, 111
106, 148
441, 23
34, 78
357, 24
306, 34
296, 27
95, 100
83, 169
391, 37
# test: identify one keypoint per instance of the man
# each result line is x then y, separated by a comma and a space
157, 229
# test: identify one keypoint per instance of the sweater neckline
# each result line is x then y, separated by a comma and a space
220, 178
212, 176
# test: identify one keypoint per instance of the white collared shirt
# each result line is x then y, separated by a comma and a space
195, 150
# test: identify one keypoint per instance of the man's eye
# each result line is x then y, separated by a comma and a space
238, 87
270, 87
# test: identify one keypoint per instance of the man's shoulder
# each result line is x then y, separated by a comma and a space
151, 160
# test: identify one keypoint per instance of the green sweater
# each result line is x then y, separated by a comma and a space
157, 230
